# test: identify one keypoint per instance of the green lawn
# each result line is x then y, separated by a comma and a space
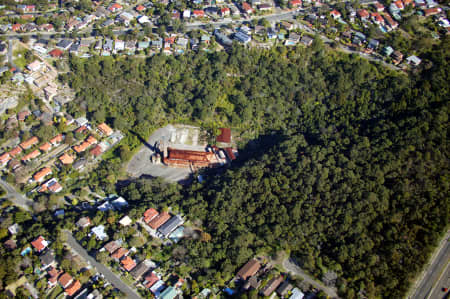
55, 292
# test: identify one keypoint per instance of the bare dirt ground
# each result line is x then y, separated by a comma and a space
178, 136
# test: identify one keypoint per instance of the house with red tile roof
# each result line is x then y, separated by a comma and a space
45, 147
4, 159
41, 174
140, 8
377, 18
96, 151
29, 143
54, 274
119, 253
66, 159
198, 13
335, 14
73, 288
115, 7
224, 11
55, 141
16, 27
393, 24
15, 151
128, 263
159, 220
399, 4
150, 280
56, 53
363, 14
432, 11
379, 7
150, 214
247, 8
65, 280
39, 244
105, 129
31, 156
295, 3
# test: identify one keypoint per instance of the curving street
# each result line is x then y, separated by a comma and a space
17, 198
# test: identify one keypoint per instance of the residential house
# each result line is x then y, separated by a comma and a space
65, 280
271, 286
111, 246
295, 3
242, 37
265, 7
45, 147
34, 66
157, 288
186, 14
224, 11
108, 45
150, 214
51, 185
168, 227
56, 53
119, 253
399, 4
388, 51
104, 129
140, 8
392, 24
119, 45
296, 294
4, 159
39, 244
84, 222
79, 164
73, 288
252, 283
47, 260
168, 293
56, 141
66, 159
125, 221
379, 7
115, 7
53, 276
413, 60
287, 25
198, 13
41, 174
293, 39
432, 11
150, 280
14, 229
64, 44
15, 151
397, 57
246, 8
249, 269
284, 289
10, 244
306, 40
141, 269
128, 263
126, 18
377, 18
335, 14
363, 14
31, 156
99, 232
159, 220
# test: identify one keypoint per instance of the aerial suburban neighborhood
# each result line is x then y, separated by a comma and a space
93, 192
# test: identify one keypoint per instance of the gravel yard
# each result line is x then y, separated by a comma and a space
181, 137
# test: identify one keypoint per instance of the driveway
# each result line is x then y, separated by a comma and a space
290, 266
109, 275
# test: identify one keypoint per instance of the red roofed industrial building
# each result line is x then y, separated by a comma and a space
225, 135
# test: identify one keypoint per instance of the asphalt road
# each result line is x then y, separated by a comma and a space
436, 274
109, 275
17, 198
290, 266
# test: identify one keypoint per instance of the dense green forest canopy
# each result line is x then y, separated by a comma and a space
348, 170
